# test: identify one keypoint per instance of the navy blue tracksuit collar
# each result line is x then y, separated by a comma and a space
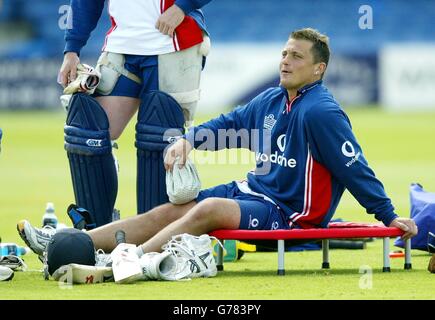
300, 92
303, 89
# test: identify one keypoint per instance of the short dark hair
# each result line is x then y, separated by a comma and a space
320, 43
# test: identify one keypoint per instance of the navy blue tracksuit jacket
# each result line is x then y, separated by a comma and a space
306, 156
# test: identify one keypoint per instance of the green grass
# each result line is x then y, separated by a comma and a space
399, 147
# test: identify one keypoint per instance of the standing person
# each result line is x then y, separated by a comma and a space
151, 45
302, 170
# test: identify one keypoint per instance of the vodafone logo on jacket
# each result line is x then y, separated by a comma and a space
276, 158
280, 142
349, 151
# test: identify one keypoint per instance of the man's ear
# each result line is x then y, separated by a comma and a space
320, 68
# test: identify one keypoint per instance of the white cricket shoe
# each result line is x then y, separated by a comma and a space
36, 239
197, 251
128, 267
125, 263
102, 259
163, 266
83, 274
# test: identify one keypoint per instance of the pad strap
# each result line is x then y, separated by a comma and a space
186, 97
121, 70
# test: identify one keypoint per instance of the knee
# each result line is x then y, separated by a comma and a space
165, 213
202, 213
172, 211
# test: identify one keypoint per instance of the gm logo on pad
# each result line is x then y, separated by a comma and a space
94, 142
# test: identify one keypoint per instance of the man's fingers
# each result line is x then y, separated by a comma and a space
410, 229
169, 159
73, 74
171, 32
63, 79
167, 163
402, 226
181, 161
407, 235
165, 29
413, 230
162, 26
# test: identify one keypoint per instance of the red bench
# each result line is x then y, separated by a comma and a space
335, 230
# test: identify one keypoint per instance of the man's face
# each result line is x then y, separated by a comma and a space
297, 67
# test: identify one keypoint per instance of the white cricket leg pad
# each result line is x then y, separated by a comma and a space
205, 47
179, 76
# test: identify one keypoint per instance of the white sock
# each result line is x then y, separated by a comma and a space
139, 251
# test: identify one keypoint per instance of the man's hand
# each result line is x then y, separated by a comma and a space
407, 225
170, 20
179, 149
68, 71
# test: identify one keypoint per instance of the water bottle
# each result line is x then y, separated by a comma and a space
12, 249
49, 217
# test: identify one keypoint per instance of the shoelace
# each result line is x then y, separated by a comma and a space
218, 242
47, 230
177, 247
178, 242
102, 258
